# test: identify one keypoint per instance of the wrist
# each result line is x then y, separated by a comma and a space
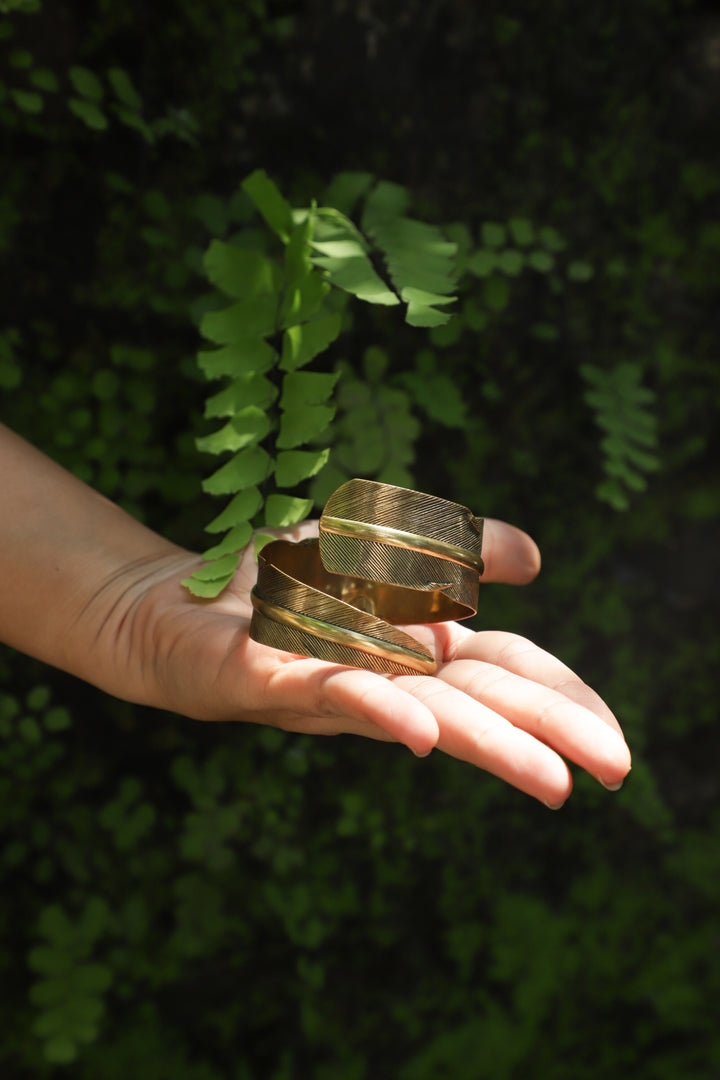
116, 636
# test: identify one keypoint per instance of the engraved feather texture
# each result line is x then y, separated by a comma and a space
453, 583
407, 511
286, 592
290, 639
386, 556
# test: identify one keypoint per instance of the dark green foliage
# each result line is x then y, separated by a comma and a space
207, 902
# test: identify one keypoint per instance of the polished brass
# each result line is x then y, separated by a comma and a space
386, 556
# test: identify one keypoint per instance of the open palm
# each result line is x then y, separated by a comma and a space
496, 700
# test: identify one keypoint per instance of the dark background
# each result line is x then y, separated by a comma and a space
209, 902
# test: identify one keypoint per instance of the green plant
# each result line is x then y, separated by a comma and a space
284, 315
287, 312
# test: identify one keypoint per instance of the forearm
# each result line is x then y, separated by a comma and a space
69, 560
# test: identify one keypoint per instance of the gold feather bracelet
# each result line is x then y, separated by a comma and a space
385, 557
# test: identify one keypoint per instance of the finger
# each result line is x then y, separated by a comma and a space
321, 698
509, 554
547, 714
523, 657
472, 732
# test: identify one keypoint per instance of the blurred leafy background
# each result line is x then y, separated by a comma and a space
210, 902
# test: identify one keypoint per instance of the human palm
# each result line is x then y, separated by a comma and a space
496, 700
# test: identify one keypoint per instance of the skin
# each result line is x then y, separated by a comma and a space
88, 589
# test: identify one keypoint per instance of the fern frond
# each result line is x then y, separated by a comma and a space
421, 262
623, 411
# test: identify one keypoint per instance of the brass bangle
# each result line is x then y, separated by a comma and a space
386, 556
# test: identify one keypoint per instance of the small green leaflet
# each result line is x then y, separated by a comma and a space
237, 539
44, 79
542, 261
246, 469
510, 262
307, 388
124, 89
248, 355
522, 231
297, 253
299, 426
386, 200
209, 589
351, 270
302, 302
254, 315
375, 363
295, 465
241, 508
301, 344
357, 276
580, 271
89, 113
27, 100
493, 235
420, 260
482, 262
270, 203
282, 511
496, 293
247, 427
86, 83
244, 391
262, 539
346, 188
238, 272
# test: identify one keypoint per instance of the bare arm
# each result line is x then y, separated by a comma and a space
62, 546
85, 587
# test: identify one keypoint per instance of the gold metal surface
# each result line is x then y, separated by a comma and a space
386, 556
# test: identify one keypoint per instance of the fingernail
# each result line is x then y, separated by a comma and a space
426, 753
555, 806
611, 787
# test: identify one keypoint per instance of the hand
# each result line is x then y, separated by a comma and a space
496, 701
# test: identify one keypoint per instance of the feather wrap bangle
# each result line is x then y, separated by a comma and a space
385, 557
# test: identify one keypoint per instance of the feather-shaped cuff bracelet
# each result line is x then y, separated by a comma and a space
385, 557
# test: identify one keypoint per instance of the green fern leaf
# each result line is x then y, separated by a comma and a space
237, 539
303, 300
346, 189
238, 272
298, 251
86, 83
482, 262
420, 260
270, 203
208, 589
240, 508
124, 89
387, 200
522, 231
282, 511
246, 428
246, 469
307, 388
244, 391
621, 403
301, 344
89, 113
293, 466
343, 255
255, 315
247, 356
302, 425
